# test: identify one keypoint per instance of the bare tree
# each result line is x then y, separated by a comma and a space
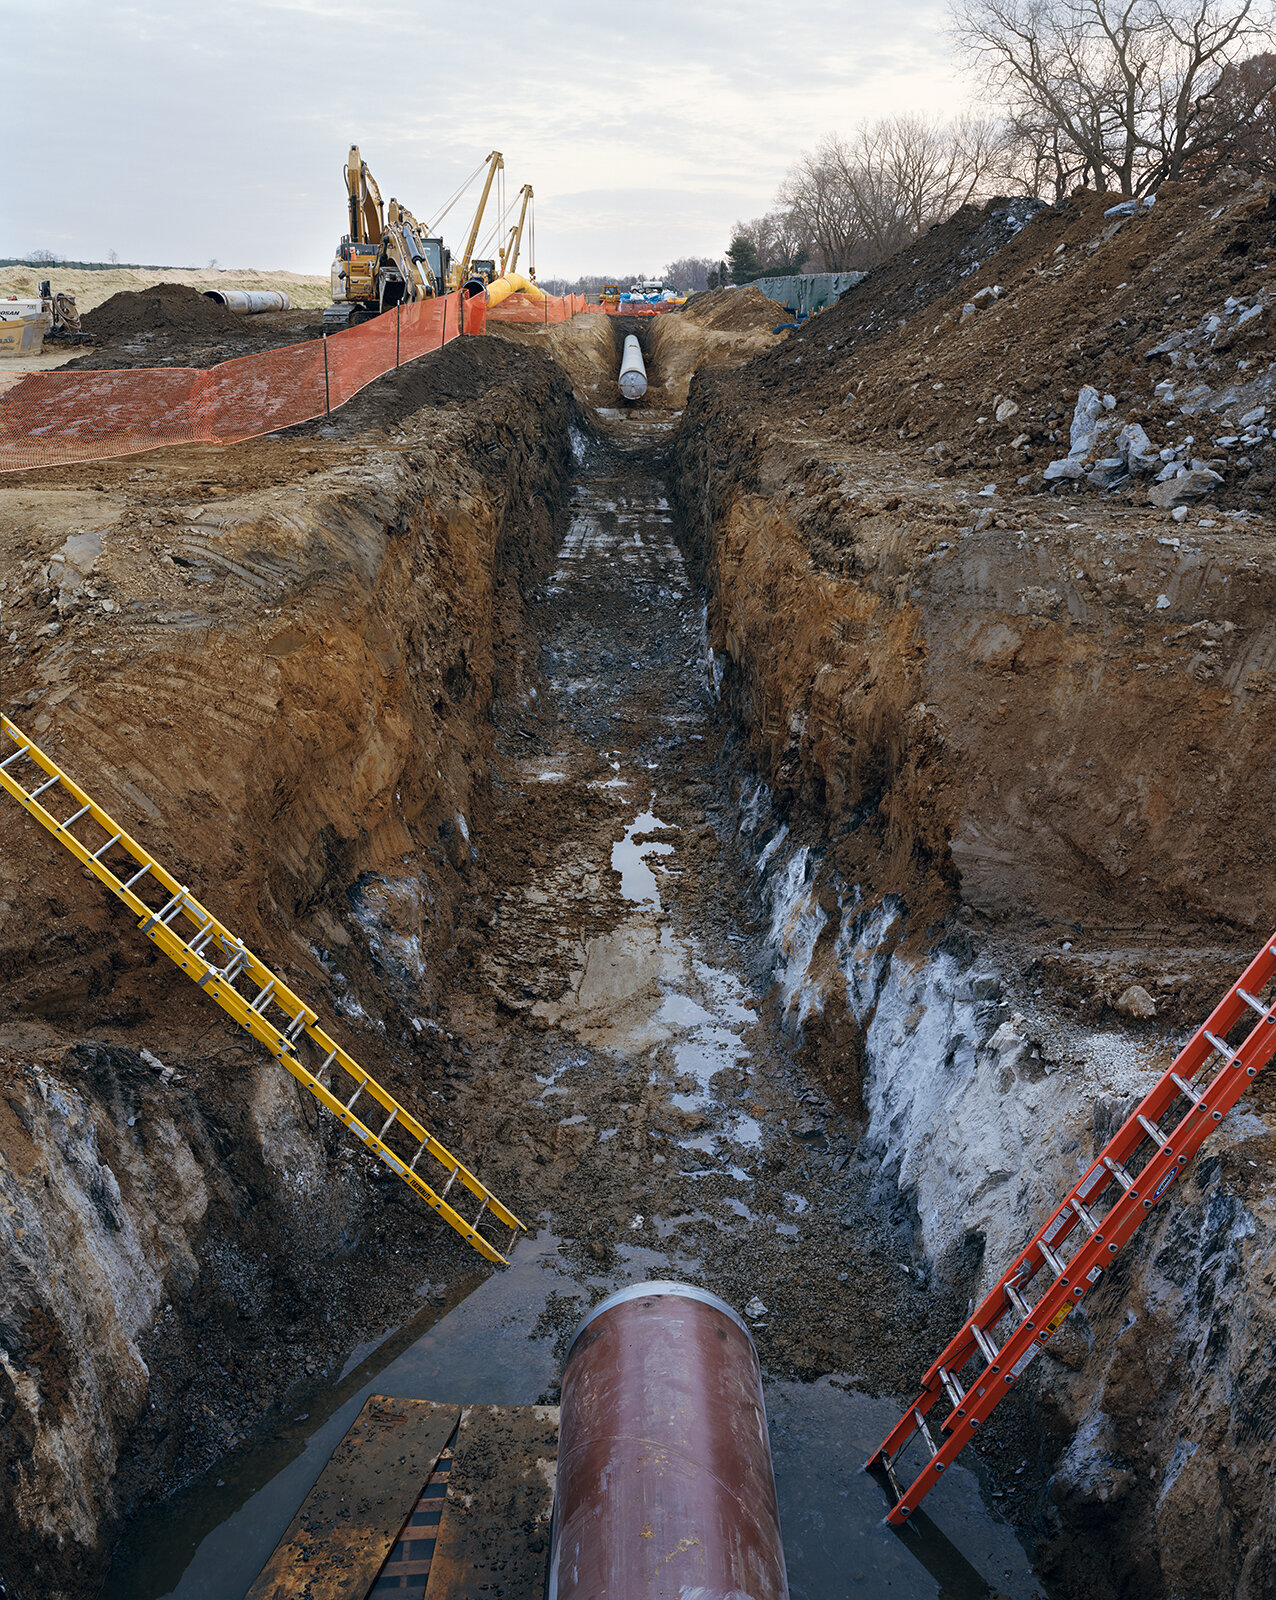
690, 274
815, 194
1111, 91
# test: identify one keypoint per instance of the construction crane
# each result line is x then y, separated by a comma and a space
468, 267
385, 259
509, 256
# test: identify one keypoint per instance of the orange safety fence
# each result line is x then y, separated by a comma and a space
520, 307
51, 417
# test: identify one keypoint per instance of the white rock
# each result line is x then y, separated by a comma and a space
1179, 513
1006, 410
1188, 486
755, 1309
1136, 1002
989, 489
1249, 316
1254, 416
1069, 468
1137, 450
1088, 410
1163, 602
1106, 472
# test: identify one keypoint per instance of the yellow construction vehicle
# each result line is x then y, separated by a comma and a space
385, 259
468, 269
509, 255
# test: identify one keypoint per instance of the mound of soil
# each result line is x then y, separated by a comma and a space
463, 370
168, 307
745, 310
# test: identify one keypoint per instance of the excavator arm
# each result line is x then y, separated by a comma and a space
495, 163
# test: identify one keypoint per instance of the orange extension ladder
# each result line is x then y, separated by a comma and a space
1085, 1232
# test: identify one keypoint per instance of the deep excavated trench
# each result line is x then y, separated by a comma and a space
642, 1055
554, 789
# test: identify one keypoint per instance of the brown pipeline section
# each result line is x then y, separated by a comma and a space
665, 1485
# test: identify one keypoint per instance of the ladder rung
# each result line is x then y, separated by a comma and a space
328, 1060
1051, 1259
98, 854
296, 1025
420, 1151
75, 817
450, 1182
358, 1091
388, 1123
1187, 1089
140, 873
925, 1432
1254, 1004
986, 1347
164, 912
56, 778
1152, 1131
1119, 1173
20, 751
1223, 1049
197, 944
1085, 1217
263, 999
1018, 1301
235, 966
952, 1388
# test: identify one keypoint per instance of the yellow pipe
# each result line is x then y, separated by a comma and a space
513, 283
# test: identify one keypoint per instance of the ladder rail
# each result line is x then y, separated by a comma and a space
240, 1008
1167, 1157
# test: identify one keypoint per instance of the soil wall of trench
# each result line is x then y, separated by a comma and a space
1006, 769
278, 671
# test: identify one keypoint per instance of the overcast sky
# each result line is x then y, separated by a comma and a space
179, 133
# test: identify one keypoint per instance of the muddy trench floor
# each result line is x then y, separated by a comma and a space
622, 1075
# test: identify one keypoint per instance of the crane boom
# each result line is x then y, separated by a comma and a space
509, 256
495, 163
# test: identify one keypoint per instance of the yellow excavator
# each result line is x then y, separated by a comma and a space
385, 259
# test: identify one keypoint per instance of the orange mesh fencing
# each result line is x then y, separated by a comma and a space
51, 417
553, 308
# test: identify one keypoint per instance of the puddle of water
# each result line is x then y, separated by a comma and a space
628, 858
836, 1538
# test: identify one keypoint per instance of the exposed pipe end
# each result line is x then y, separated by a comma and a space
652, 1290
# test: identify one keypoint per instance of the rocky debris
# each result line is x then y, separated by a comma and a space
1185, 487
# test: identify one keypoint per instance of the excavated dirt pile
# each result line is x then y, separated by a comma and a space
991, 578
169, 307
173, 324
745, 310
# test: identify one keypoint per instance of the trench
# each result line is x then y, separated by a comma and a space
618, 985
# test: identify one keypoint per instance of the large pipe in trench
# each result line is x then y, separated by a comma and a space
633, 373
664, 1484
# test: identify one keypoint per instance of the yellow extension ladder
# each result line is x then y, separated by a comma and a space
210, 939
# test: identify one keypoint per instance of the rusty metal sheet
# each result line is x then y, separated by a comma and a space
347, 1524
493, 1538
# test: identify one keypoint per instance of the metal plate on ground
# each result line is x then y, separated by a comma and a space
348, 1523
493, 1538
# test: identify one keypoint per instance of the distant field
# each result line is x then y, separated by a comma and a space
91, 287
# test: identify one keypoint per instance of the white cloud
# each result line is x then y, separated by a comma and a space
175, 133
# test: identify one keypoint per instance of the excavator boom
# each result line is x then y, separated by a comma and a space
495, 163
509, 256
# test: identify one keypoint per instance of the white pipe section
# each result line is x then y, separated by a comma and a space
247, 302
633, 374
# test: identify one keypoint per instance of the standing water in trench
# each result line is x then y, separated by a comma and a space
620, 990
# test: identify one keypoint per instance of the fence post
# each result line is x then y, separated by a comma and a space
398, 319
327, 397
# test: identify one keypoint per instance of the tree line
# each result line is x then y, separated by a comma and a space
1118, 96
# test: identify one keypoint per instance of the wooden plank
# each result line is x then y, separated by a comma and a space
493, 1539
347, 1524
